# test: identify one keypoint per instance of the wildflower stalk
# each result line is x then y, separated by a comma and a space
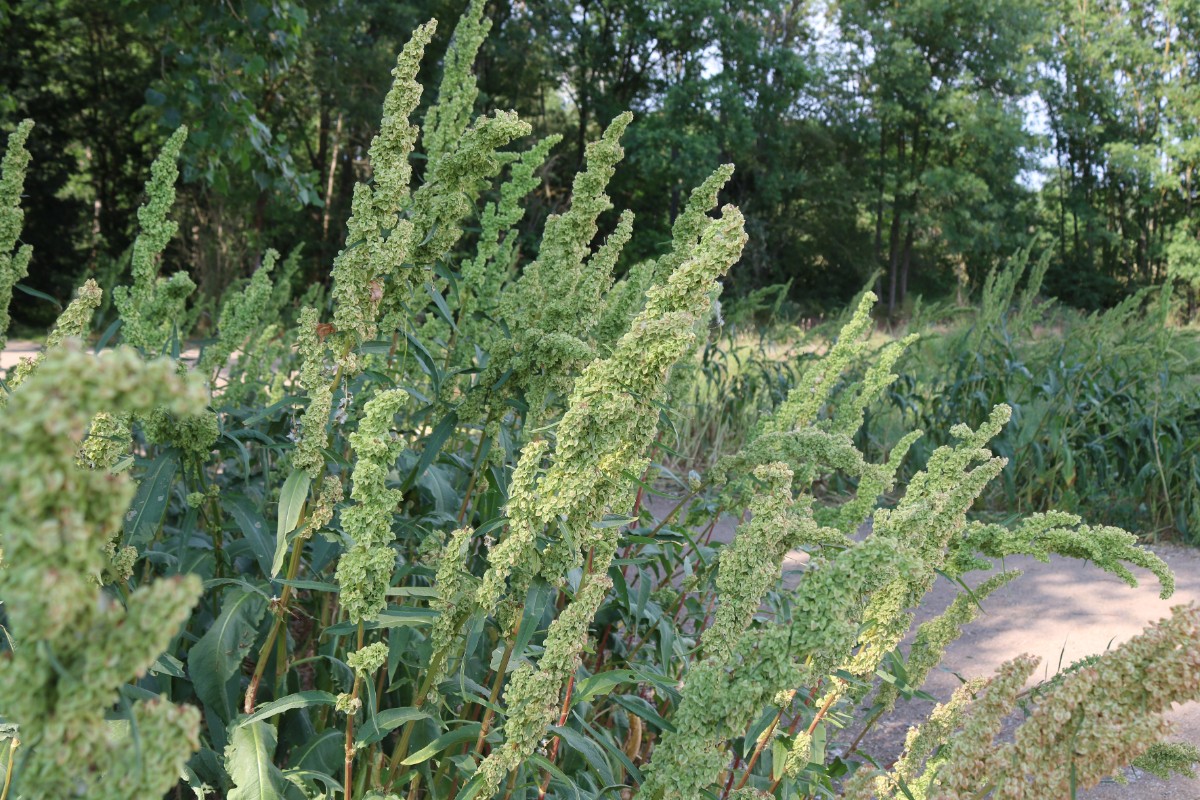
73, 323
308, 455
14, 265
348, 766
13, 743
763, 738
490, 712
153, 306
562, 720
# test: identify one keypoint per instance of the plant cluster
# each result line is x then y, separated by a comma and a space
398, 544
1103, 405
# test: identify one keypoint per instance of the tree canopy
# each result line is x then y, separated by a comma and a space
926, 140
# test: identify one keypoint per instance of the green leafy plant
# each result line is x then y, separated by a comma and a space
401, 545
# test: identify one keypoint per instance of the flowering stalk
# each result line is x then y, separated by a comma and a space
450, 115
364, 571
73, 323
74, 646
13, 265
240, 316
600, 437
378, 239
154, 306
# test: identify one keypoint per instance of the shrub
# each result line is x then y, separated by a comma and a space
400, 545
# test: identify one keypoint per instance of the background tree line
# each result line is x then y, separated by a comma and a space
928, 139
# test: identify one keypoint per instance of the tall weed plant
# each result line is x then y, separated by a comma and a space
1104, 406
394, 541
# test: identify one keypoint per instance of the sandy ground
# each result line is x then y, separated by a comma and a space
1060, 612
15, 350
18, 349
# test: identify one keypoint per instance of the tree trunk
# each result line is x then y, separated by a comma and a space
906, 261
893, 259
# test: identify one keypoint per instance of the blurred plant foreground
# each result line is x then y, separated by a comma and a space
381, 437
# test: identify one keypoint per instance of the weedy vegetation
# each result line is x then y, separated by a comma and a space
394, 541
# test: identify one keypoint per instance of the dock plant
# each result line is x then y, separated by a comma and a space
422, 535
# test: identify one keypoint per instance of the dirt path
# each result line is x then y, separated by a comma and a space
15, 350
1060, 612
18, 349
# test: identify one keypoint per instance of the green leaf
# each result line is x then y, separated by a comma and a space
314, 697
168, 664
29, 290
591, 752
291, 505
312, 586
817, 753
378, 726
614, 522
215, 662
248, 760
537, 601
433, 445
555, 772
412, 591
428, 362
639, 707
440, 302
601, 684
395, 617
150, 503
253, 528
108, 334
467, 733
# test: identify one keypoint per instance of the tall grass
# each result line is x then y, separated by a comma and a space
1106, 406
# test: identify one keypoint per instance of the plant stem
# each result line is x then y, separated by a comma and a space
867, 727
293, 568
401, 751
758, 748
462, 512
281, 615
349, 765
495, 695
512, 784
562, 720
13, 743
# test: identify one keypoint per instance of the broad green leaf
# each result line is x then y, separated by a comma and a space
412, 591
250, 521
440, 302
433, 445
313, 697
467, 733
324, 752
168, 664
591, 752
248, 760
378, 726
639, 707
556, 773
602, 684
291, 504
312, 586
150, 503
614, 522
394, 617
215, 662
537, 601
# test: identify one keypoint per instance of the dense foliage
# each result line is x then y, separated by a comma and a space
925, 138
397, 538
